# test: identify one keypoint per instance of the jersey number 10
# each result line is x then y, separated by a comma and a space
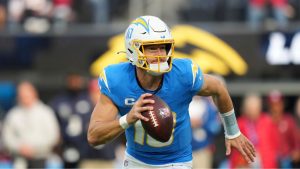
139, 135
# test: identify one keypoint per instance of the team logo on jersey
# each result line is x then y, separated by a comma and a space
194, 71
164, 112
104, 79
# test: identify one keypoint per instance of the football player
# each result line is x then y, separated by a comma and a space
153, 70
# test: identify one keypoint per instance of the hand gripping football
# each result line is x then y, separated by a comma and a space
160, 124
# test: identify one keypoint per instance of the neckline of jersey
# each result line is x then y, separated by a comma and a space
146, 90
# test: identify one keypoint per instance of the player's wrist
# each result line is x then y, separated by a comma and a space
123, 122
230, 124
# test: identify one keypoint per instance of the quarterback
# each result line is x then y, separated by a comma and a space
151, 69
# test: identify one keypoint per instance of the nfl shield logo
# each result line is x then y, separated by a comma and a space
164, 112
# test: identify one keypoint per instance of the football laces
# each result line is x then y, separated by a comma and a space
154, 121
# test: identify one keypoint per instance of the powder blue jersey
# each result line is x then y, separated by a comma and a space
120, 84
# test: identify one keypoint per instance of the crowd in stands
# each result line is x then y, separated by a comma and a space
39, 16
53, 134
274, 132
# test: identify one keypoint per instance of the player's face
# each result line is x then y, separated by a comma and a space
155, 50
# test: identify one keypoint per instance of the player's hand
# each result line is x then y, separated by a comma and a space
243, 145
139, 107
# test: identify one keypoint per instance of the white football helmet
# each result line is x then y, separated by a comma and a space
149, 30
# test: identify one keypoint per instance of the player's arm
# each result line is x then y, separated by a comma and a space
104, 125
215, 88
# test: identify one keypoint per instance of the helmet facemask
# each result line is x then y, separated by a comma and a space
163, 63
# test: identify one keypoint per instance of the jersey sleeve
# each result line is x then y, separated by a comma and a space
195, 77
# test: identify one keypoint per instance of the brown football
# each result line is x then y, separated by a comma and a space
160, 124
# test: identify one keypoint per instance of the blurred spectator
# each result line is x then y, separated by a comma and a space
297, 111
205, 124
100, 11
30, 130
258, 128
73, 108
69, 106
2, 13
287, 130
62, 13
258, 11
32, 14
296, 162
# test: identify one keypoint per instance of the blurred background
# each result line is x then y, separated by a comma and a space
51, 52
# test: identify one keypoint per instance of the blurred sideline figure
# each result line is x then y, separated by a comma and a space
297, 111
100, 11
2, 14
69, 106
286, 128
30, 130
205, 125
258, 11
62, 13
258, 127
73, 108
33, 15
296, 162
